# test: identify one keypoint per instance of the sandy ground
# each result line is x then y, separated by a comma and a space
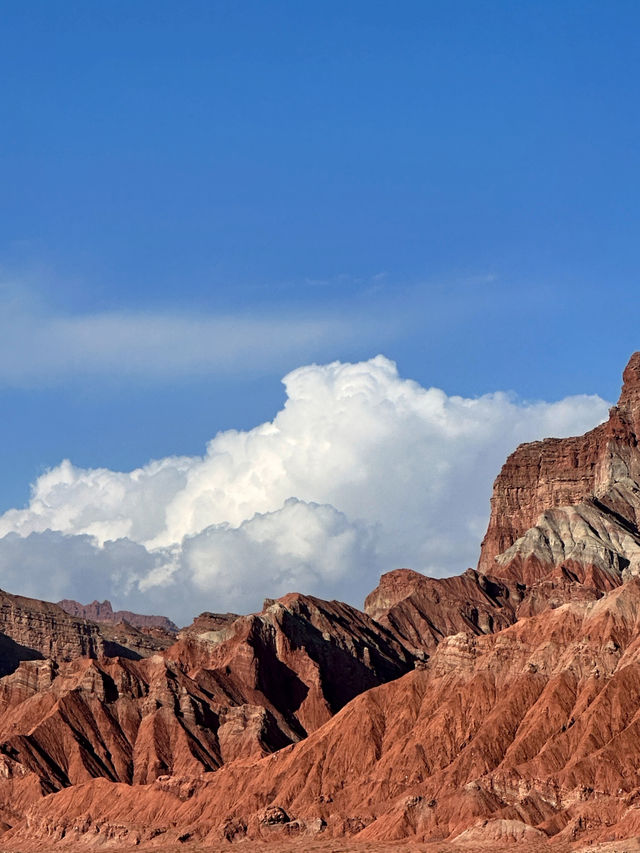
334, 846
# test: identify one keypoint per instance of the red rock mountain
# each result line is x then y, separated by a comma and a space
229, 688
572, 502
501, 706
531, 733
421, 611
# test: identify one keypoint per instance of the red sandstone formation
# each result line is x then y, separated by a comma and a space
572, 503
421, 611
102, 611
32, 629
209, 622
230, 688
36, 629
302, 656
519, 725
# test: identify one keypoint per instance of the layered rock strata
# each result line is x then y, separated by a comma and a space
31, 629
572, 504
303, 656
230, 688
40, 629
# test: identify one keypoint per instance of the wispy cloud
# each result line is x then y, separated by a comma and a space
40, 345
341, 317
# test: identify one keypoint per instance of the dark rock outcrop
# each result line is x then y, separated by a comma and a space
303, 657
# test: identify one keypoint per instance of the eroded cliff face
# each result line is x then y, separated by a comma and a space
572, 503
43, 629
301, 655
229, 689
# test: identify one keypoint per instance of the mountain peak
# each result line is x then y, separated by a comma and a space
630, 394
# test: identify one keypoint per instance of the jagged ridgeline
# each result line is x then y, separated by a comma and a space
498, 706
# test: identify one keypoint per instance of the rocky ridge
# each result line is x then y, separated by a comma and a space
420, 611
229, 688
102, 611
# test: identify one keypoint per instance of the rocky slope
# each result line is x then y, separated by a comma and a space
501, 706
530, 733
40, 629
304, 657
229, 688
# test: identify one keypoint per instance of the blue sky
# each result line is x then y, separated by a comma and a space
199, 197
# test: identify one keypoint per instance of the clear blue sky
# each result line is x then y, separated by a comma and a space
453, 184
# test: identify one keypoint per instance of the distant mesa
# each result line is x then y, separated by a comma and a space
102, 611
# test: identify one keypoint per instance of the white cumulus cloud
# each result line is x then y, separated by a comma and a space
360, 472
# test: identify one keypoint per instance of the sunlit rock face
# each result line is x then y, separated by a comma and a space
528, 734
78, 705
421, 611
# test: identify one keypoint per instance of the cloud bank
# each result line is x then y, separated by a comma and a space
360, 472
